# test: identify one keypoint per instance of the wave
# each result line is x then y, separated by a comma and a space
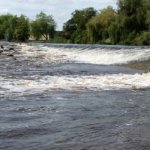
75, 83
88, 54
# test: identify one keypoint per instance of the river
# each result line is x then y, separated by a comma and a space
74, 97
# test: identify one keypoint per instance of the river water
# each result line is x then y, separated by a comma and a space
74, 97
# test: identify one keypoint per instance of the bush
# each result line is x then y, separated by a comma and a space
143, 39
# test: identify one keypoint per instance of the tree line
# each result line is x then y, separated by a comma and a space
14, 28
129, 24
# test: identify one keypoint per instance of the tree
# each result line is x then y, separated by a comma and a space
98, 26
35, 30
10, 32
147, 7
5, 23
75, 28
14, 28
43, 26
132, 14
22, 29
130, 21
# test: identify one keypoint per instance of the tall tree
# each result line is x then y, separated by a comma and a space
22, 29
75, 28
98, 26
5, 22
130, 21
43, 26
147, 7
132, 14
10, 32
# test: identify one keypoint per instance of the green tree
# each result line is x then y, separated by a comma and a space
43, 26
75, 28
132, 14
130, 21
10, 32
35, 30
22, 29
98, 26
147, 7
5, 22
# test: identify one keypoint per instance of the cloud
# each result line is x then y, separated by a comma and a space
4, 11
60, 9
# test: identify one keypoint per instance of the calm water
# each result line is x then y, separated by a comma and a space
74, 97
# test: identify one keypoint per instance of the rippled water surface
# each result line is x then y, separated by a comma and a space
74, 97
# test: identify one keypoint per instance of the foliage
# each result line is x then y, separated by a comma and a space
98, 26
129, 24
22, 29
142, 39
7, 26
10, 32
43, 27
130, 21
126, 25
14, 28
147, 7
75, 28
132, 14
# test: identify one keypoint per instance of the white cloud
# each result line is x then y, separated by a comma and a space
60, 9
4, 11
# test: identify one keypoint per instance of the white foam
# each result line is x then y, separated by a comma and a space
75, 83
104, 56
43, 54
93, 56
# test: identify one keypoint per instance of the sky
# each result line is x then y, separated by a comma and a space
60, 9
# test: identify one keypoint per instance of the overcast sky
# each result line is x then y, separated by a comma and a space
60, 9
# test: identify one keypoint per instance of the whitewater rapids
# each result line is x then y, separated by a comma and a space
61, 97
39, 55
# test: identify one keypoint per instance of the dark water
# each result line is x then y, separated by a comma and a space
70, 119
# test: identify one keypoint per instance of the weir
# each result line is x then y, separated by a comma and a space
61, 97
76, 67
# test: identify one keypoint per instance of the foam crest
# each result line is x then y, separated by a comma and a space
87, 55
75, 83
42, 55
108, 56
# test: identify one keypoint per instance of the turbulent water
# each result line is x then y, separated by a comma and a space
74, 97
